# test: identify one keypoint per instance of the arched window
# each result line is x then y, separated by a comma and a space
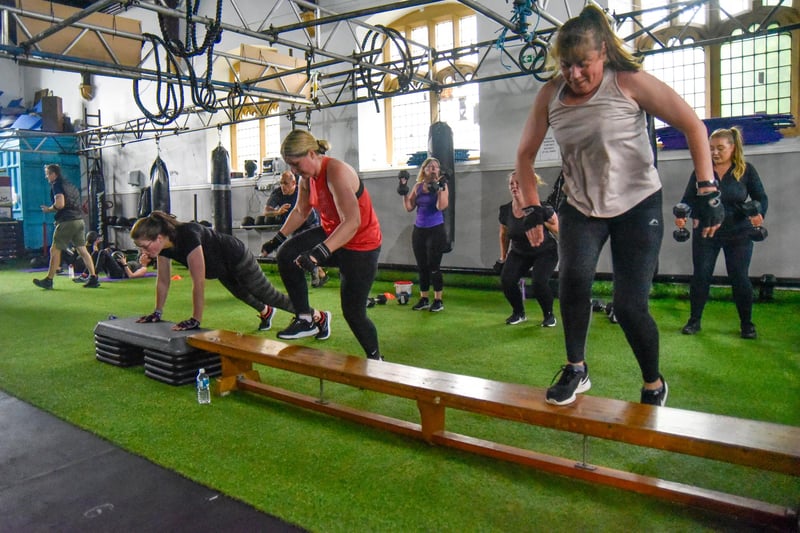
403, 120
729, 74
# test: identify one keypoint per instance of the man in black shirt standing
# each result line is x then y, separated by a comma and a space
69, 226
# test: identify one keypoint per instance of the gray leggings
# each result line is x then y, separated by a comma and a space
248, 283
635, 243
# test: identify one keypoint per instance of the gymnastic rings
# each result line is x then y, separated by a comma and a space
533, 60
379, 82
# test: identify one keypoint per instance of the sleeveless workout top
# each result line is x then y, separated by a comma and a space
368, 236
427, 214
605, 150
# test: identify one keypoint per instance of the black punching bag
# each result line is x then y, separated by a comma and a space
221, 189
97, 202
159, 186
440, 146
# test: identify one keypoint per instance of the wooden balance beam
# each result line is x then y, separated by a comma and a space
761, 445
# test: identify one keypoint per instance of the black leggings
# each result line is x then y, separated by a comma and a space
249, 284
105, 262
514, 269
635, 242
738, 252
429, 245
357, 271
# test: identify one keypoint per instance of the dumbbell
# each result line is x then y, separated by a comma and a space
751, 209
403, 177
681, 210
380, 299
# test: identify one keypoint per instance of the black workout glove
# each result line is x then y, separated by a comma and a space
536, 215
273, 244
189, 323
436, 186
155, 316
708, 209
498, 266
402, 188
309, 260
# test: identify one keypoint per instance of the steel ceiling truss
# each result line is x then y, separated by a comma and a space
338, 72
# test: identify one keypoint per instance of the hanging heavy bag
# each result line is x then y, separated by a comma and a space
159, 186
97, 201
440, 146
221, 190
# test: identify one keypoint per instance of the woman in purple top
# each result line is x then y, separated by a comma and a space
429, 196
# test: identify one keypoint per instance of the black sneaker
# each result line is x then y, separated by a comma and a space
516, 318
375, 357
656, 397
437, 306
92, 283
549, 321
691, 327
45, 283
422, 304
266, 320
573, 380
323, 325
749, 331
299, 329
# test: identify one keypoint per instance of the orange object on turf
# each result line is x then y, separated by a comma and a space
176, 277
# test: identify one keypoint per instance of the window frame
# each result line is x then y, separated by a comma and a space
265, 149
429, 16
718, 32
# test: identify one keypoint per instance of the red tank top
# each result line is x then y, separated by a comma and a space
368, 236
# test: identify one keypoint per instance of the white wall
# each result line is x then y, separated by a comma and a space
10, 82
481, 187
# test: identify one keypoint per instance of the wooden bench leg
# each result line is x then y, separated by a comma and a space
432, 418
232, 370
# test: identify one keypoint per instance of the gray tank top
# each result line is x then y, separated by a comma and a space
605, 150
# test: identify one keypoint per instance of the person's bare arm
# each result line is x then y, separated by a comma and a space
531, 140
197, 269
504, 240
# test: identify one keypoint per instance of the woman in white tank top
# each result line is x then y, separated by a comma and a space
596, 106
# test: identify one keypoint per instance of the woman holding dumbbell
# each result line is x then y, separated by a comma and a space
517, 256
429, 196
739, 182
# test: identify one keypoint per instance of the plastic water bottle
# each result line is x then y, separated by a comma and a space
203, 389
71, 270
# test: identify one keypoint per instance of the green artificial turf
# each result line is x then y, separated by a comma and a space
329, 475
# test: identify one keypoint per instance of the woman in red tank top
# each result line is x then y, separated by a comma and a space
349, 237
